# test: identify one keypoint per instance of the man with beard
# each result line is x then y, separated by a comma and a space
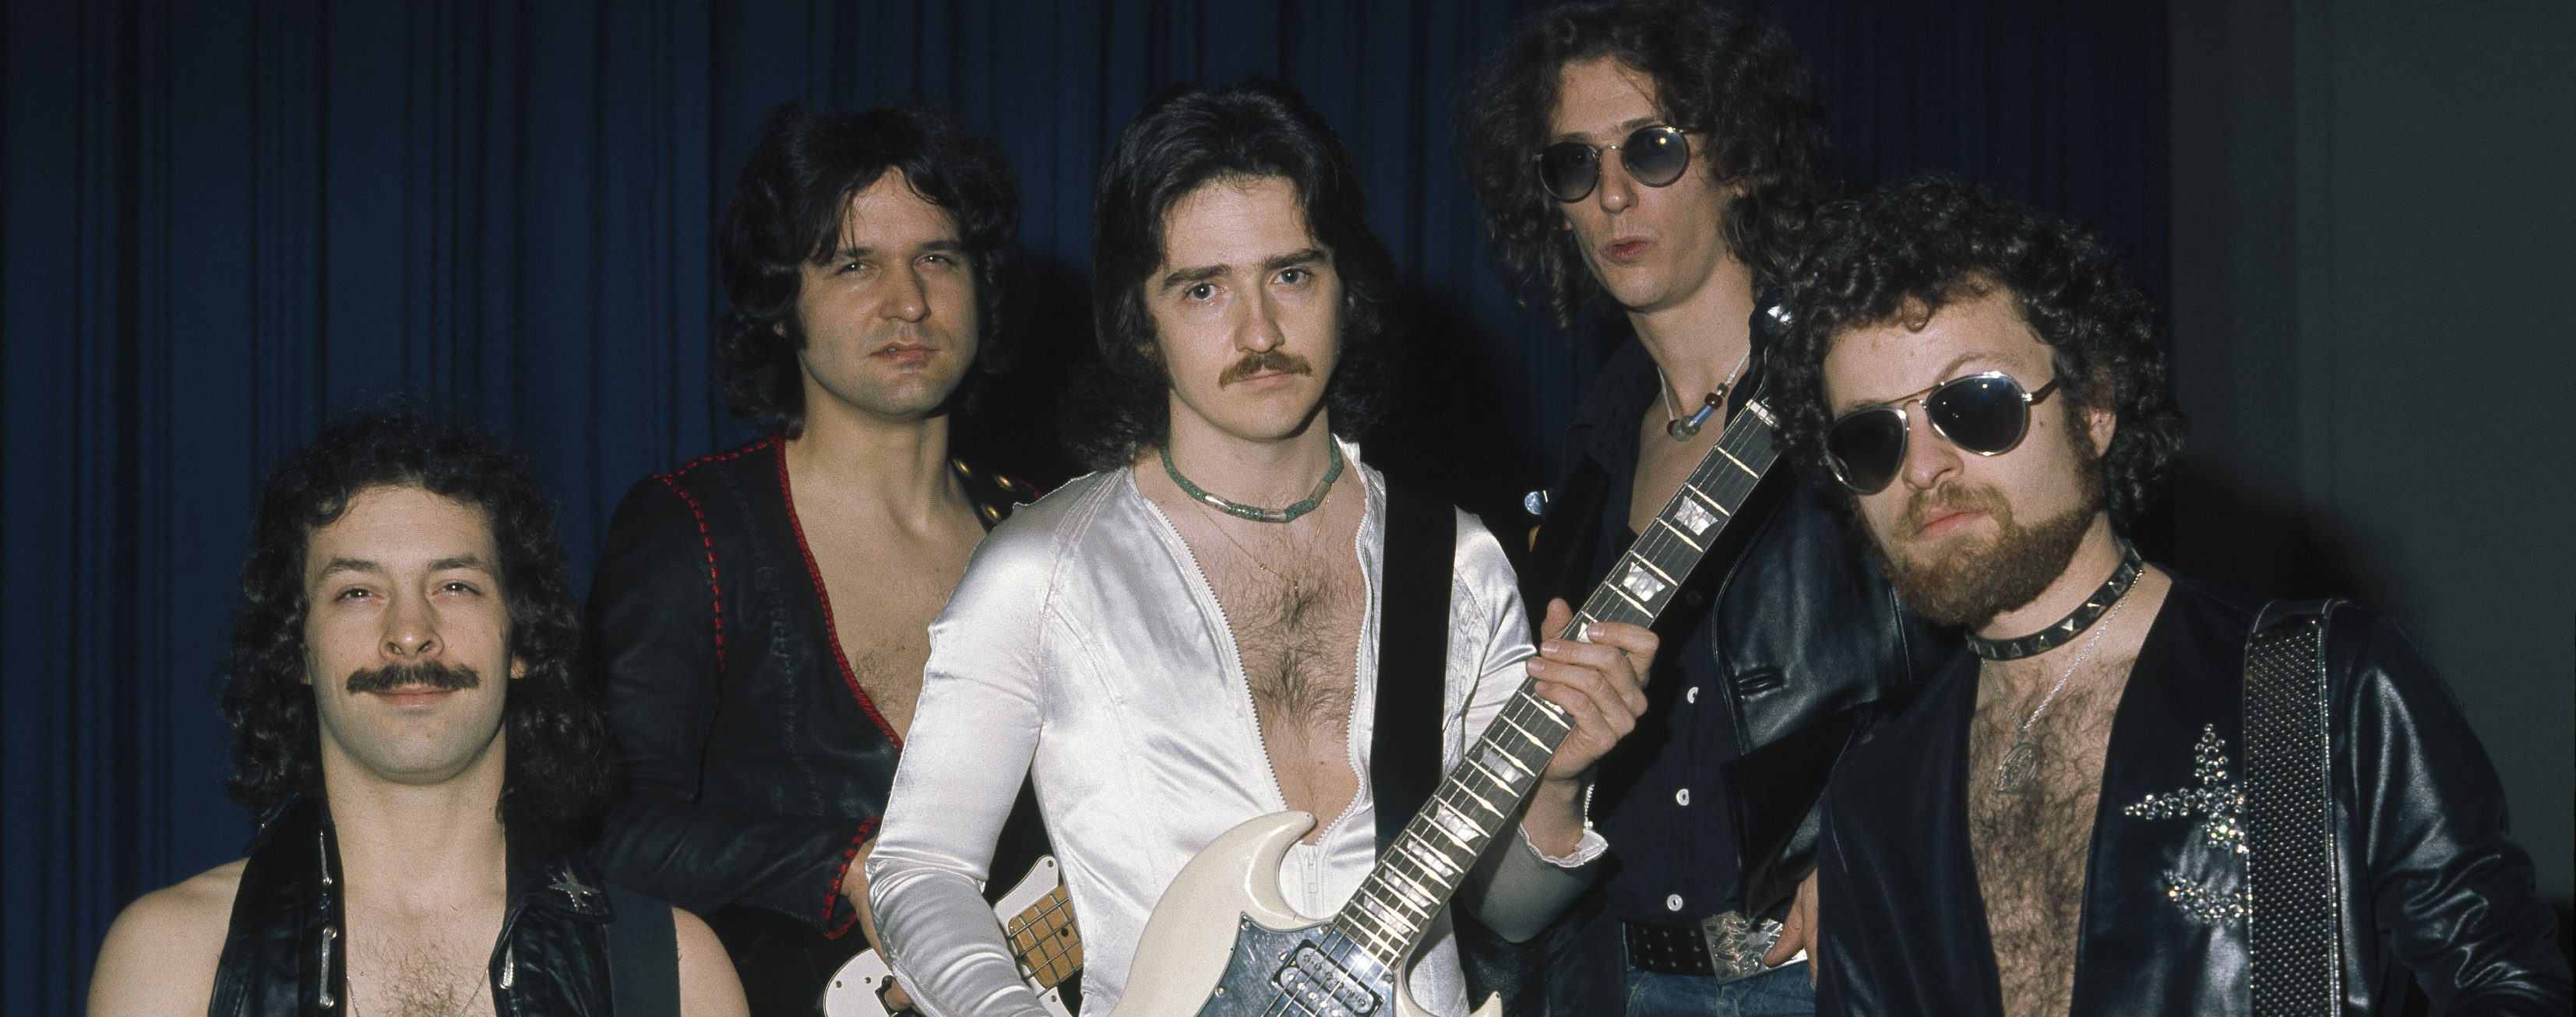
2086, 812
1659, 158
411, 729
1193, 637
761, 614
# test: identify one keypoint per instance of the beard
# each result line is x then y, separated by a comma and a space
430, 673
1967, 582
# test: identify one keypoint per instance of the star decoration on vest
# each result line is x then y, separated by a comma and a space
2216, 798
2221, 803
574, 889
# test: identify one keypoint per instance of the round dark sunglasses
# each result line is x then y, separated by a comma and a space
1655, 156
1983, 413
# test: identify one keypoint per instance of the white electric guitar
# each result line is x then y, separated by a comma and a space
1036, 918
1223, 941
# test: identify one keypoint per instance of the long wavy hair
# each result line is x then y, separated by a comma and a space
787, 211
1184, 140
1731, 79
1902, 252
558, 766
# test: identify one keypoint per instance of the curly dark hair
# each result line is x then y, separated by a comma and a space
787, 209
1184, 140
557, 735
1900, 253
1731, 79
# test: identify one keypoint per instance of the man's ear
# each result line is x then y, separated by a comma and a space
2100, 423
518, 667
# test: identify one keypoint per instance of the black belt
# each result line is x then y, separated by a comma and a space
1667, 948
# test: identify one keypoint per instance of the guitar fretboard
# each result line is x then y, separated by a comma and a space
1044, 939
1421, 870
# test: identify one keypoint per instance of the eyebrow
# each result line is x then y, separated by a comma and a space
1948, 373
1620, 131
462, 561
945, 245
1203, 273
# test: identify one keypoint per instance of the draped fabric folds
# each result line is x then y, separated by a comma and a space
223, 220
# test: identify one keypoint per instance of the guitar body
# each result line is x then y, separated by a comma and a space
858, 988
1223, 941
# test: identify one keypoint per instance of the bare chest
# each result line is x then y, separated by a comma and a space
882, 588
1295, 614
421, 966
2032, 797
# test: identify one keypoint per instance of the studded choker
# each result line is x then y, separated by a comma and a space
2085, 614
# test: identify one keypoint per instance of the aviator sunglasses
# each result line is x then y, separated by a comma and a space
1655, 156
1984, 413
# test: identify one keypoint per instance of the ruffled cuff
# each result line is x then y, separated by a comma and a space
1586, 848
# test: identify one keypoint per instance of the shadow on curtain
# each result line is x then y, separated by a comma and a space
224, 219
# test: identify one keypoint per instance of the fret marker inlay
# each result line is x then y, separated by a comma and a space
1641, 583
1694, 516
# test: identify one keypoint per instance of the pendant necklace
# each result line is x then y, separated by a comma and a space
1680, 429
1256, 513
2020, 765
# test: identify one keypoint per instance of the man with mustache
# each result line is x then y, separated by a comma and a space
412, 729
761, 614
2078, 814
1193, 636
1657, 159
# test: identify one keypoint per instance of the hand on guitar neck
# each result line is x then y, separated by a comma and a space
1598, 677
854, 885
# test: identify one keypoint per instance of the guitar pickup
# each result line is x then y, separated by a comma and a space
1322, 986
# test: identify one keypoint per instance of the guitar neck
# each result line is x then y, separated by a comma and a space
1421, 870
1044, 940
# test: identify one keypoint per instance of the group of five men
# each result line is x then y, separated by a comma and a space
857, 686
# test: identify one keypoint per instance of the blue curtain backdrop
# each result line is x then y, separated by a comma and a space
224, 219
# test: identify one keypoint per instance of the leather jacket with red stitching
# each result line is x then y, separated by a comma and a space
754, 764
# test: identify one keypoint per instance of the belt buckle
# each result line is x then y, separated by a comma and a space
1736, 944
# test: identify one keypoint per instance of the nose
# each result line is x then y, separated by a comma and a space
1260, 330
906, 299
1929, 457
411, 629
1616, 191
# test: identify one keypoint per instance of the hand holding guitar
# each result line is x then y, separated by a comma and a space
854, 885
1601, 686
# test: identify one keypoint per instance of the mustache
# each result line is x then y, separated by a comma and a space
438, 676
1949, 498
1266, 360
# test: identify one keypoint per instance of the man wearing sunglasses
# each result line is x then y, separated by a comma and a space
1658, 159
1988, 390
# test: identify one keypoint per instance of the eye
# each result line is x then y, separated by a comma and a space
457, 586
1202, 291
1295, 276
937, 259
849, 267
353, 593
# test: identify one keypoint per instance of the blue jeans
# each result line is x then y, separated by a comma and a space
1782, 993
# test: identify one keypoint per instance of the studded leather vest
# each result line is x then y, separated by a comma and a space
286, 951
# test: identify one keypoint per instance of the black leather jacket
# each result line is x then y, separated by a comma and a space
2430, 883
1786, 620
754, 763
284, 952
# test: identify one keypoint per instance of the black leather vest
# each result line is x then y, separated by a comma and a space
285, 952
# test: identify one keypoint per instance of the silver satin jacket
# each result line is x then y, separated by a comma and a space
1085, 646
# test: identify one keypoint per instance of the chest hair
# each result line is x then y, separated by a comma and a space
432, 968
1299, 644
2031, 847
